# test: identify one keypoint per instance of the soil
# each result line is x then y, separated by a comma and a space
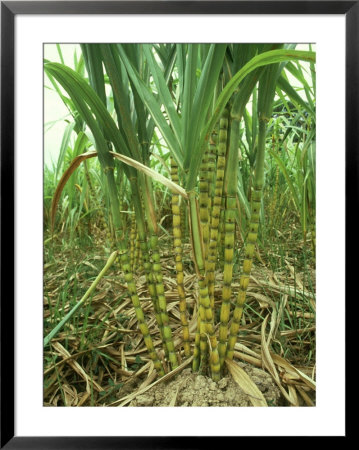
189, 389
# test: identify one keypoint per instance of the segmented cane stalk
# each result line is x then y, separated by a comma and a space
221, 232
229, 231
203, 200
273, 204
177, 243
212, 153
266, 93
229, 227
197, 350
206, 325
139, 313
206, 313
183, 219
256, 200
111, 230
204, 218
146, 258
217, 201
138, 255
155, 275
247, 265
132, 240
150, 284
200, 341
162, 303
205, 330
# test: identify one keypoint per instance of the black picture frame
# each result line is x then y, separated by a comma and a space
9, 10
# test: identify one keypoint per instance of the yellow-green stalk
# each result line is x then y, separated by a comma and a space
203, 200
217, 201
183, 208
266, 91
206, 324
146, 257
126, 267
220, 246
177, 243
247, 265
162, 303
138, 255
197, 347
156, 270
212, 153
230, 190
132, 240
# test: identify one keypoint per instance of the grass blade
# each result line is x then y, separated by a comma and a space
68, 316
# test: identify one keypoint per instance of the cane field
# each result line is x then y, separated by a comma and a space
179, 225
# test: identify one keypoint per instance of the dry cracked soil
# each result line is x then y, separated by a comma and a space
189, 389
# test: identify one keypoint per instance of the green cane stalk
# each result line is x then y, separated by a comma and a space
230, 191
89, 104
206, 324
204, 200
217, 202
142, 325
266, 91
156, 270
177, 243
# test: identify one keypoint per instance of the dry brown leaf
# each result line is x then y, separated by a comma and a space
246, 384
83, 397
292, 333
152, 374
293, 370
241, 347
243, 357
263, 301
282, 305
125, 400
174, 398
308, 401
173, 187
76, 367
295, 276
65, 177
269, 365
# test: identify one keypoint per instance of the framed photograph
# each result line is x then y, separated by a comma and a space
176, 179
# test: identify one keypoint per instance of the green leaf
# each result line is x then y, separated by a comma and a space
64, 144
263, 59
201, 103
153, 106
163, 92
288, 179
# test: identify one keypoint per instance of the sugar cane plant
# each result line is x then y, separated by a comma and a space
194, 100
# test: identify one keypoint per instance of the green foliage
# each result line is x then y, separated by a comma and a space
150, 103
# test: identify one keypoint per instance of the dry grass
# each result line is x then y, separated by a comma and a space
99, 359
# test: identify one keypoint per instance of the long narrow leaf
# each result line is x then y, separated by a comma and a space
260, 60
154, 107
163, 91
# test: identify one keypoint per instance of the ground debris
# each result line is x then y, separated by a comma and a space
192, 389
